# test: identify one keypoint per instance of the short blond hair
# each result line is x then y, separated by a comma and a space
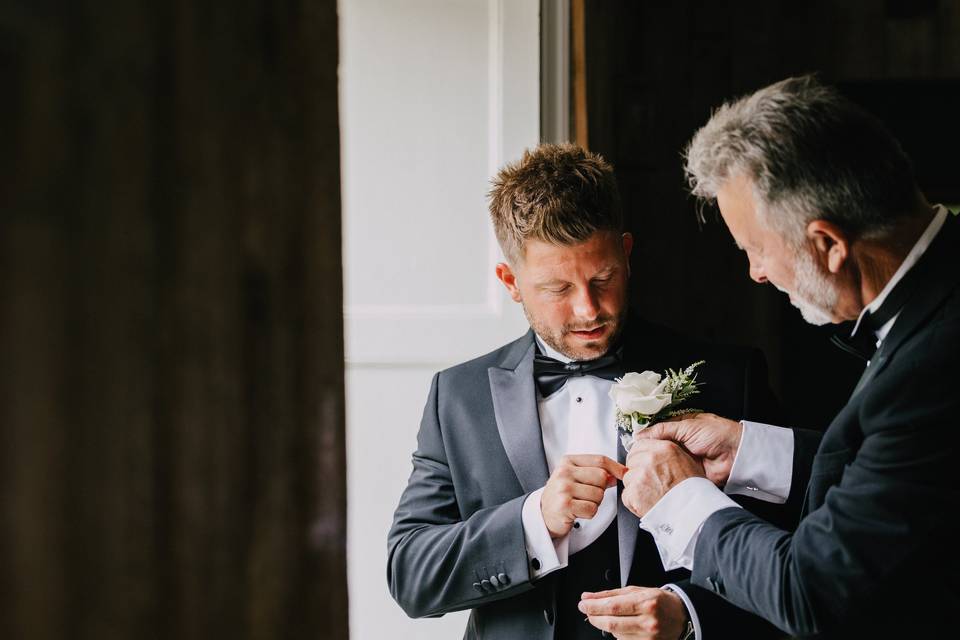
557, 193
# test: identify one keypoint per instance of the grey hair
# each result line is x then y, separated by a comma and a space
809, 154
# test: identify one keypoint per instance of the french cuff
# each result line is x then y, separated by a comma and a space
697, 633
544, 554
763, 466
676, 519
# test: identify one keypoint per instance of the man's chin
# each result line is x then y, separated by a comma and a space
585, 350
813, 315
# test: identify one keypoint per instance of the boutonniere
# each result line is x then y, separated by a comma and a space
648, 397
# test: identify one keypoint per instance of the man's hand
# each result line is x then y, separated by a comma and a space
636, 612
713, 439
656, 466
575, 490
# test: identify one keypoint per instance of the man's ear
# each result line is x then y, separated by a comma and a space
831, 244
506, 276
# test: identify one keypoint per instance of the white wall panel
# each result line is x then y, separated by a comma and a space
435, 96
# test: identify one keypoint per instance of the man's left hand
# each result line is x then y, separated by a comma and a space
636, 612
656, 466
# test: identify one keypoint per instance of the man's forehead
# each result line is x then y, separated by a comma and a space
565, 264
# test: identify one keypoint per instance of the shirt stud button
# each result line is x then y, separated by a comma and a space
579, 399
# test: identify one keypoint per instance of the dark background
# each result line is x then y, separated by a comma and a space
655, 70
171, 387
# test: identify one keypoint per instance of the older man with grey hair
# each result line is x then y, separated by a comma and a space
823, 201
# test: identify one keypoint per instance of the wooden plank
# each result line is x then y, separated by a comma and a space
171, 402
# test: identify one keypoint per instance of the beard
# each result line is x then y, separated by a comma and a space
560, 339
815, 295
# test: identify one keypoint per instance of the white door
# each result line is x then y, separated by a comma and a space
435, 96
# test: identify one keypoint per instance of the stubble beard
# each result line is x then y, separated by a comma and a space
588, 350
815, 295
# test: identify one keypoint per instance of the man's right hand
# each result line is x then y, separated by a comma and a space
575, 490
713, 439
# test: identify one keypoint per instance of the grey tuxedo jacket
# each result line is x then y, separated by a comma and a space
457, 539
876, 552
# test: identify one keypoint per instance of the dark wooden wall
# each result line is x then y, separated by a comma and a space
655, 70
171, 387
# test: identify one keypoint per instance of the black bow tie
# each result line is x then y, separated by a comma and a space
863, 343
551, 374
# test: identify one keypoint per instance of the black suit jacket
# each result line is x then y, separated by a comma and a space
480, 454
875, 554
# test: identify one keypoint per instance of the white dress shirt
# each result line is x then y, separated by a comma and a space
763, 466
579, 418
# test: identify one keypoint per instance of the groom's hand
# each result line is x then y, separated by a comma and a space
575, 490
713, 439
656, 466
636, 612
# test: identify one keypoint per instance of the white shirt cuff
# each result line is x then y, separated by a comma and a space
763, 466
697, 633
677, 518
545, 554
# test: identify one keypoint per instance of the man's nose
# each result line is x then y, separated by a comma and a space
756, 273
585, 304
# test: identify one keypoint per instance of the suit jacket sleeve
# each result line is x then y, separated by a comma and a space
881, 507
719, 619
438, 559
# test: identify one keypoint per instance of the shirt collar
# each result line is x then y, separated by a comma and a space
922, 244
550, 351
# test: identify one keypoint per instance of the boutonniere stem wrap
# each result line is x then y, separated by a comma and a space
645, 398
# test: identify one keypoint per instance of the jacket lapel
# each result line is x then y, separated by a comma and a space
515, 409
627, 525
938, 273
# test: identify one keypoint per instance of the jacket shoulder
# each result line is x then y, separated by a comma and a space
478, 366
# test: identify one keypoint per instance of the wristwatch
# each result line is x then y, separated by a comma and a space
688, 632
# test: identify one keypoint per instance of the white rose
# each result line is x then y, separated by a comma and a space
641, 393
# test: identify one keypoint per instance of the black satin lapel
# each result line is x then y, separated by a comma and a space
515, 410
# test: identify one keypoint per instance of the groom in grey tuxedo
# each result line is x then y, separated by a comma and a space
513, 507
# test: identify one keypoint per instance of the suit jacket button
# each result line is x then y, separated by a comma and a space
487, 586
476, 585
608, 575
548, 616
495, 581
504, 579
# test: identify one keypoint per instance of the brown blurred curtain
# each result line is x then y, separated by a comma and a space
171, 360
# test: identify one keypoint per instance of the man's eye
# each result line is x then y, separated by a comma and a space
557, 291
